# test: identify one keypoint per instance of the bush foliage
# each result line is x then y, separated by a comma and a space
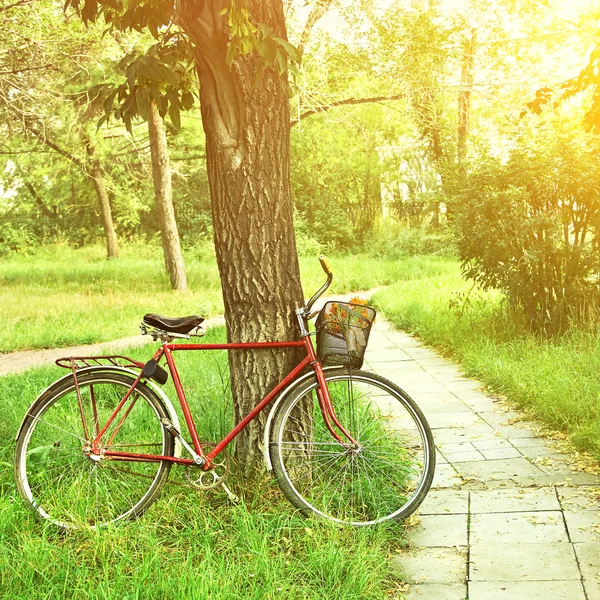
529, 225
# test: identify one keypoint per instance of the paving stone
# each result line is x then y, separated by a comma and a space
560, 479
421, 352
497, 416
440, 531
499, 469
457, 447
432, 407
543, 527
581, 498
526, 590
389, 356
437, 361
454, 435
584, 526
452, 419
555, 463
537, 451
436, 592
445, 477
445, 502
589, 562
478, 401
522, 562
495, 444
592, 589
470, 456
515, 432
504, 501
433, 565
531, 442
467, 385
420, 389
501, 453
439, 458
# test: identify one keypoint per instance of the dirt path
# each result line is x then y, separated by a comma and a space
17, 362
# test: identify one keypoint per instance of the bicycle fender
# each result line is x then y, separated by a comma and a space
103, 368
280, 399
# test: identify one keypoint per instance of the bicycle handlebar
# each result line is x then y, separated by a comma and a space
324, 287
325, 265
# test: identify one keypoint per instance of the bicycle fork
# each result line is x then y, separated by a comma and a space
325, 404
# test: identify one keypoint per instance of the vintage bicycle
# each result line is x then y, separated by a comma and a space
96, 447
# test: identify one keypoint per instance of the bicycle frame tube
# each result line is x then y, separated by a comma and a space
168, 349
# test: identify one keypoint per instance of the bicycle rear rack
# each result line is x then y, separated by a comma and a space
114, 360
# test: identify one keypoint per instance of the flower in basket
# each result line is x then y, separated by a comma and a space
350, 321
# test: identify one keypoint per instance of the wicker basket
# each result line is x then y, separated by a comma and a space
343, 332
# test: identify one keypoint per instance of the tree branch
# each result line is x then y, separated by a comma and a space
15, 4
321, 7
15, 71
347, 101
42, 138
45, 210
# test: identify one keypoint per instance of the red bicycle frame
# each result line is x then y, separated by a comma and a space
167, 350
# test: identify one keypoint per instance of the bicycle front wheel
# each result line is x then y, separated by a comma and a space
63, 481
385, 476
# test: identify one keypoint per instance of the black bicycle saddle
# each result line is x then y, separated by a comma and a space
176, 325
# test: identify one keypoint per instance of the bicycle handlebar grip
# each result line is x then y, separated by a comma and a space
325, 265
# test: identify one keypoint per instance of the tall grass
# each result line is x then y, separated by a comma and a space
62, 297
189, 544
558, 380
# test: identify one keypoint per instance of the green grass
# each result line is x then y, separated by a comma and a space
556, 380
63, 297
189, 545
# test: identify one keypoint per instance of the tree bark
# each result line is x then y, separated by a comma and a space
112, 250
161, 174
464, 96
246, 122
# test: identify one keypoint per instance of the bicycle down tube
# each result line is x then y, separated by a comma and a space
167, 350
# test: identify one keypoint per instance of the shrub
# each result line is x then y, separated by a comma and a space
529, 226
15, 239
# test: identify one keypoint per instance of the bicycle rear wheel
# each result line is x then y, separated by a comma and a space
386, 476
69, 486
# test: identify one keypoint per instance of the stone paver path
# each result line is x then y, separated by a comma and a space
507, 517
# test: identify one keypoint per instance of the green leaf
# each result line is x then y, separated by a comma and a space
282, 62
174, 114
264, 29
89, 11
143, 102
187, 100
267, 49
291, 50
150, 68
130, 74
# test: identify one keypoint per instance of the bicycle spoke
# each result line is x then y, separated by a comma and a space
384, 475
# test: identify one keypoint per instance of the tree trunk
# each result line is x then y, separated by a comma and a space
464, 96
112, 250
161, 174
246, 122
97, 177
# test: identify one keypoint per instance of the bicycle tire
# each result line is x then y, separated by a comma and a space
387, 478
64, 485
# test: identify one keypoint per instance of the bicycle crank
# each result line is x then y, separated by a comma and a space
213, 477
